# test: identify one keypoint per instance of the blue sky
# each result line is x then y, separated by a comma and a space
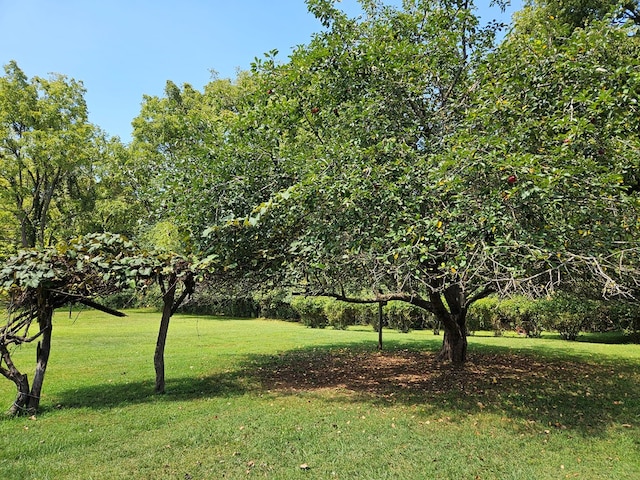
124, 49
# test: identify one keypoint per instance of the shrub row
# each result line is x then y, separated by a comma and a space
320, 312
566, 314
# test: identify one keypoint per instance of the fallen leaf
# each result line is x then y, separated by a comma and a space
304, 466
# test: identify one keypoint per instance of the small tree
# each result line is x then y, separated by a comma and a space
80, 271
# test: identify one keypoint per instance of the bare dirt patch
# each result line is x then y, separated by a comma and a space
558, 392
381, 372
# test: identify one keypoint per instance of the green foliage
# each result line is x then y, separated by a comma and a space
483, 315
572, 149
626, 317
404, 317
323, 311
91, 266
207, 302
564, 16
150, 297
83, 264
165, 236
49, 156
438, 168
276, 304
567, 314
202, 158
404, 154
311, 311
341, 314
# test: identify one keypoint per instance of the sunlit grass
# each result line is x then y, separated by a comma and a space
261, 398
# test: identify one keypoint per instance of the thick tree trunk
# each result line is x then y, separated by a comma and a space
20, 405
167, 311
45, 316
454, 322
454, 347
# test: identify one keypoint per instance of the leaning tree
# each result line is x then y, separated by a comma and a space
438, 169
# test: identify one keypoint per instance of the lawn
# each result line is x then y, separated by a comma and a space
271, 399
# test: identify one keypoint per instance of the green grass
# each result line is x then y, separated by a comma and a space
258, 399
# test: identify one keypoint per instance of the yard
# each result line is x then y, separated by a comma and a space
271, 399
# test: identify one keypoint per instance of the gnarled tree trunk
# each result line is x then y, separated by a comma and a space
158, 358
21, 381
171, 304
454, 347
454, 322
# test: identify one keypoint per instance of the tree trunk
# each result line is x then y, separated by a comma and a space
45, 315
454, 347
21, 381
158, 359
27, 232
454, 322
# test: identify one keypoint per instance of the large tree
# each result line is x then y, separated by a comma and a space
47, 147
438, 172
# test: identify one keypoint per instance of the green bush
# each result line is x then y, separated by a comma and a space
404, 317
625, 317
311, 311
522, 315
275, 304
483, 315
208, 301
567, 314
148, 298
367, 314
340, 314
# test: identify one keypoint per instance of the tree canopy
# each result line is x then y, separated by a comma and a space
440, 168
54, 164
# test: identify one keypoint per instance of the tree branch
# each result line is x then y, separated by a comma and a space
102, 308
485, 292
189, 285
412, 299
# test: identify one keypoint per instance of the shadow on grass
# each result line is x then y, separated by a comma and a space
113, 395
549, 393
544, 393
